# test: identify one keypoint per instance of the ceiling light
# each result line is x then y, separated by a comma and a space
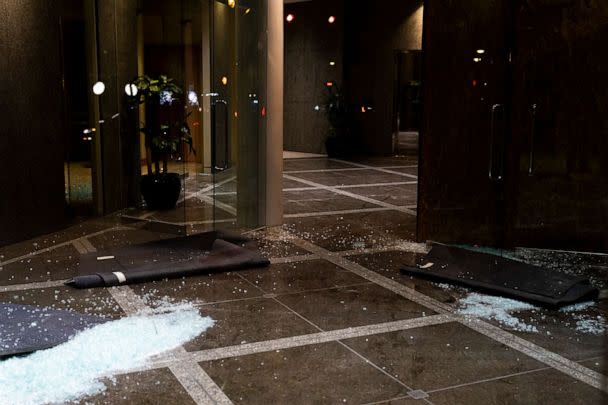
99, 88
131, 90
231, 3
331, 19
290, 18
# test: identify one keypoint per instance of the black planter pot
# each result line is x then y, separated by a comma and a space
161, 191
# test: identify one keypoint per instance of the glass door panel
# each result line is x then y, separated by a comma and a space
558, 189
464, 121
235, 111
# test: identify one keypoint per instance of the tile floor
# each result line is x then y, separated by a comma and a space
332, 320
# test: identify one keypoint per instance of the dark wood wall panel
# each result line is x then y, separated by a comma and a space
31, 137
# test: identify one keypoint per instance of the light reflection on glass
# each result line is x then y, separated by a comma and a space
166, 98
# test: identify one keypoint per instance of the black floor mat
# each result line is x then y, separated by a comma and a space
502, 276
25, 329
171, 258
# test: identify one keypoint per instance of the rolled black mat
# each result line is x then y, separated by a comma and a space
25, 328
502, 276
170, 258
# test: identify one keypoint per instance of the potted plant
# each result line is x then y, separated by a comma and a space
165, 130
338, 142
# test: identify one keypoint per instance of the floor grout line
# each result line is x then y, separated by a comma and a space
404, 246
63, 244
536, 370
347, 186
310, 339
393, 183
379, 169
257, 297
216, 203
530, 349
352, 195
294, 259
342, 212
339, 341
344, 169
33, 286
79, 246
197, 383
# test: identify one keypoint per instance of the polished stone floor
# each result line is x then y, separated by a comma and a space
332, 320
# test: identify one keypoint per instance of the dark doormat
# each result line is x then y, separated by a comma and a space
25, 329
205, 253
502, 276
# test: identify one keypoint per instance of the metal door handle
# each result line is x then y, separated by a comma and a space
495, 107
214, 150
532, 136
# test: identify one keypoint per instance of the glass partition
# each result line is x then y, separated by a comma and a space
164, 114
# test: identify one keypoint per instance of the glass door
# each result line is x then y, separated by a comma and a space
558, 183
515, 129
235, 111
463, 131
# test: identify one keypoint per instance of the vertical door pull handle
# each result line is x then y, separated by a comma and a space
533, 108
495, 108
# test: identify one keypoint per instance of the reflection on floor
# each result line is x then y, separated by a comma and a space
332, 320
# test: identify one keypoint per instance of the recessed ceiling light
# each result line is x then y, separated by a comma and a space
99, 88
131, 90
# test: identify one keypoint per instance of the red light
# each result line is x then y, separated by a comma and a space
363, 109
329, 84
263, 111
474, 83
290, 18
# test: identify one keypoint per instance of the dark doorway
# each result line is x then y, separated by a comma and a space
407, 101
